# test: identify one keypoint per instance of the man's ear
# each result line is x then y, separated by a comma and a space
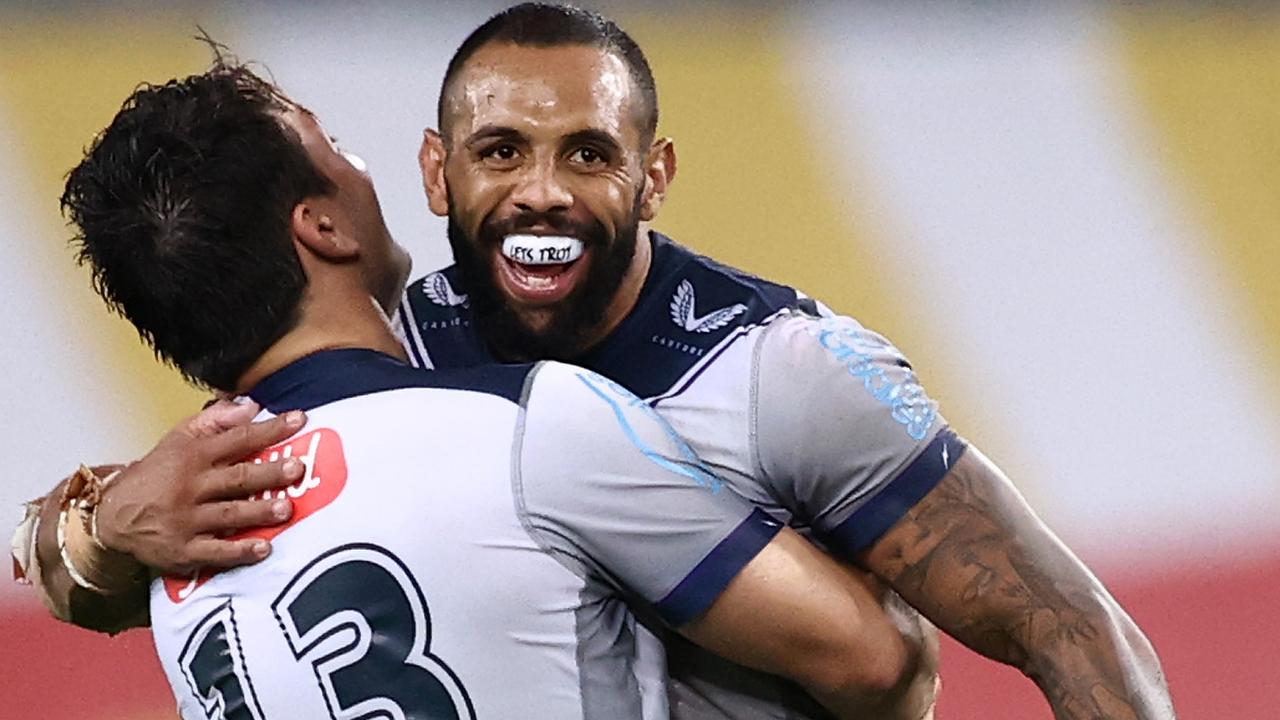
431, 161
660, 171
316, 230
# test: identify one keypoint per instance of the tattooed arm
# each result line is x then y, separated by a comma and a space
974, 559
846, 434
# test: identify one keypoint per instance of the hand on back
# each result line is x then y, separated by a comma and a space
173, 509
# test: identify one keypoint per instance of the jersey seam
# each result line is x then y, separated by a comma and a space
686, 381
753, 410
517, 485
409, 319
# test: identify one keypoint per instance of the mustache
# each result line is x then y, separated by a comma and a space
559, 224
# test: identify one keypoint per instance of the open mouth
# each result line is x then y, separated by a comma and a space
540, 270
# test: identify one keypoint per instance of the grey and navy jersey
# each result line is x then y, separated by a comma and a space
813, 418
461, 546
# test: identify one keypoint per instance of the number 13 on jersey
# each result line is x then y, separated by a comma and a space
358, 617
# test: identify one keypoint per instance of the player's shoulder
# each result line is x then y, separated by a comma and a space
572, 393
434, 320
706, 295
839, 339
331, 376
584, 406
691, 308
839, 363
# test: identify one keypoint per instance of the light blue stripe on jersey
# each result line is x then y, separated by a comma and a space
693, 470
700, 588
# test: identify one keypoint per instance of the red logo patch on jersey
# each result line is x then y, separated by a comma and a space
323, 479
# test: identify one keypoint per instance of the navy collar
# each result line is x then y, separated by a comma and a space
328, 376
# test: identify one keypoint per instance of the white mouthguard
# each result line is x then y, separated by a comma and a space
541, 250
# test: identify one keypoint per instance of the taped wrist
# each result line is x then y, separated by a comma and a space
22, 545
87, 561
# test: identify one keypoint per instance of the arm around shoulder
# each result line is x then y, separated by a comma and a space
613, 488
821, 628
844, 425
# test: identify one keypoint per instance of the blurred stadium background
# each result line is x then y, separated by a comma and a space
1068, 214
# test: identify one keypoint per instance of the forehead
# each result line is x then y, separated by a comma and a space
314, 139
550, 88
302, 122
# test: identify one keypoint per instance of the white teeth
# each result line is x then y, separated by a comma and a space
541, 249
533, 281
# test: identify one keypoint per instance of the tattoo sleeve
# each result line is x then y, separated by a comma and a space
974, 559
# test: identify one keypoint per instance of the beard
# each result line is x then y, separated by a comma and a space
509, 337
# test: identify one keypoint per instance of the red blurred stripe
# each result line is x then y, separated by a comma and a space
56, 672
1216, 628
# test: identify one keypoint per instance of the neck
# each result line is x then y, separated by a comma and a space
624, 301
351, 320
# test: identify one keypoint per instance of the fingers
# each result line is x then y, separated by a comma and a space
246, 479
243, 440
215, 552
222, 415
233, 515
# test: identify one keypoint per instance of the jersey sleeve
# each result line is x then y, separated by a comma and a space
843, 429
609, 488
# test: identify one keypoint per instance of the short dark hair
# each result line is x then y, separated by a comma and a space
183, 207
536, 24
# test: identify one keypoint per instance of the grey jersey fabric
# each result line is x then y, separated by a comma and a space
843, 431
821, 422
636, 504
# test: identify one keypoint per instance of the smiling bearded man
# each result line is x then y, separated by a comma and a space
548, 139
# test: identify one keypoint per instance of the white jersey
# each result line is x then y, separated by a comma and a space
813, 418
460, 547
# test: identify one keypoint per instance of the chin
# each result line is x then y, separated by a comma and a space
538, 323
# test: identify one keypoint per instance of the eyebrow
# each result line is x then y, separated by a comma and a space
492, 132
502, 132
596, 137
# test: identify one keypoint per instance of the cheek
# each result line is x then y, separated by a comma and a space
609, 200
473, 198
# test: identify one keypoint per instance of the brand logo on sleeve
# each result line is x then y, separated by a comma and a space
437, 288
683, 312
324, 477
881, 369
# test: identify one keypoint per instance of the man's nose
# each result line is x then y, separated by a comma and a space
541, 190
